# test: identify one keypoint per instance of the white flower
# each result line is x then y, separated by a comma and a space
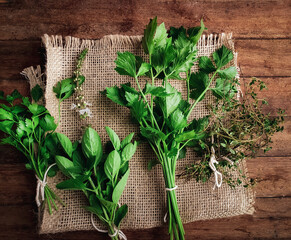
88, 104
73, 106
86, 110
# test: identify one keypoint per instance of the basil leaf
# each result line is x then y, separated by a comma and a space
92, 147
113, 138
66, 166
128, 152
65, 143
120, 214
127, 140
112, 165
119, 188
71, 184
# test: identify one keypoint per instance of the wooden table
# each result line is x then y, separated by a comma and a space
261, 30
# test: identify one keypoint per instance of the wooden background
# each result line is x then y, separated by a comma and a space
261, 30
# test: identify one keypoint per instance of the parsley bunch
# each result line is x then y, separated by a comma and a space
158, 107
102, 177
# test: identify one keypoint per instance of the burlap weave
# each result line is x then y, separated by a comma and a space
145, 191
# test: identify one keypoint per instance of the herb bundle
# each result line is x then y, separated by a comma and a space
158, 108
240, 129
30, 128
102, 177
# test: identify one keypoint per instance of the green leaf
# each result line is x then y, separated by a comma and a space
120, 214
13, 96
206, 65
143, 69
152, 133
72, 184
156, 91
186, 136
114, 94
148, 38
113, 138
128, 152
65, 88
94, 210
6, 126
177, 120
5, 115
228, 73
66, 166
152, 163
222, 88
48, 123
36, 109
118, 190
222, 56
92, 147
131, 98
160, 39
65, 143
170, 103
139, 110
112, 164
126, 140
126, 64
198, 83
107, 204
196, 32
36, 93
78, 159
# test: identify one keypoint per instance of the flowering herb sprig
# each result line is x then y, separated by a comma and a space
73, 85
101, 176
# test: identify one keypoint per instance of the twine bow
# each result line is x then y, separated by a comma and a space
116, 231
39, 197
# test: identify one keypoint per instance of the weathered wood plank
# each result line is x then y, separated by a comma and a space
272, 174
20, 222
87, 19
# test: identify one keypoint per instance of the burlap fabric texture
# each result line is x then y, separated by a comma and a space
145, 191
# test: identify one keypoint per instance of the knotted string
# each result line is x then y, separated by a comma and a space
169, 190
39, 197
116, 231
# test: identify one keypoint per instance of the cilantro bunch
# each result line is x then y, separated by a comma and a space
101, 176
29, 128
158, 107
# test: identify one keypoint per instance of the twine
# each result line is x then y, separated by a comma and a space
116, 231
169, 190
41, 185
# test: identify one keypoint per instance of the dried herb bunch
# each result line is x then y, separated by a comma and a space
236, 129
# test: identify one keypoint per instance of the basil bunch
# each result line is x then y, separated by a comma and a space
101, 176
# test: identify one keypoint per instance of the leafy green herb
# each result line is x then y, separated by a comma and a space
240, 130
159, 108
104, 181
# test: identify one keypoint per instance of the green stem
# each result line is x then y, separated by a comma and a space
188, 87
202, 94
149, 107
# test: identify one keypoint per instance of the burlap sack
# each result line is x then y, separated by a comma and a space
145, 191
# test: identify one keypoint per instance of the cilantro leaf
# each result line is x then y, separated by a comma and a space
156, 91
36, 93
13, 96
5, 115
138, 110
126, 64
114, 94
177, 120
48, 123
196, 32
161, 35
64, 89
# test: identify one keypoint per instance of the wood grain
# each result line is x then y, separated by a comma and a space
87, 19
261, 30
22, 220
